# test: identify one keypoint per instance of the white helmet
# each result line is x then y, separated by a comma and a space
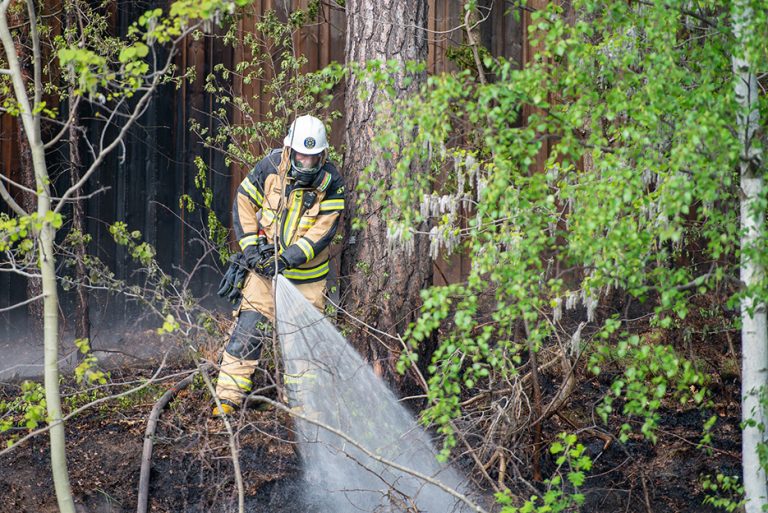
307, 136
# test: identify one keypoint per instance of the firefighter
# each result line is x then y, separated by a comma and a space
285, 214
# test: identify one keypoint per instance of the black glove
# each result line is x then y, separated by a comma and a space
267, 268
232, 282
266, 253
252, 256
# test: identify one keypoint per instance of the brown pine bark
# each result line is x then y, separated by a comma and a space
380, 284
82, 316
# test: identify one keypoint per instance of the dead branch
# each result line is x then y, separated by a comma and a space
146, 456
232, 442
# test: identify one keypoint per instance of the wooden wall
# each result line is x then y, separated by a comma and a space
157, 165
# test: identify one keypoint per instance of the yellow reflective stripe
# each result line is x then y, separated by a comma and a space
252, 191
332, 204
326, 182
240, 382
307, 222
267, 214
307, 274
306, 248
250, 240
292, 221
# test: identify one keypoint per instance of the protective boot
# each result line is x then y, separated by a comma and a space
240, 360
225, 409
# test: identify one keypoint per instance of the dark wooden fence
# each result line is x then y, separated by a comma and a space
147, 178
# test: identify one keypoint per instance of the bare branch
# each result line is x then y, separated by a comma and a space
16, 184
34, 36
16, 270
10, 201
73, 198
232, 443
17, 305
85, 197
65, 127
149, 436
473, 45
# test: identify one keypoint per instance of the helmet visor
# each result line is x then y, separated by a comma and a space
303, 172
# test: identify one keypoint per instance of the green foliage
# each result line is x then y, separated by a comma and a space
17, 233
630, 111
86, 371
169, 325
83, 395
108, 68
26, 411
142, 252
723, 492
561, 490
218, 233
651, 372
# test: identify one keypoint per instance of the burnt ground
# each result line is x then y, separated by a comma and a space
192, 469
191, 464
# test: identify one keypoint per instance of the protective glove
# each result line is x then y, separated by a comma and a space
266, 253
267, 268
252, 256
232, 282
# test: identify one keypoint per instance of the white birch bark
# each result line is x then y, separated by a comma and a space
754, 334
47, 264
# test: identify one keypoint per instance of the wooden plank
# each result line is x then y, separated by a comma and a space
512, 36
324, 36
528, 53
152, 177
431, 36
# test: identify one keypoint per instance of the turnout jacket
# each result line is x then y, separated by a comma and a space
303, 219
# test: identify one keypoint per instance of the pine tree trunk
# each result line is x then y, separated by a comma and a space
754, 333
380, 284
82, 317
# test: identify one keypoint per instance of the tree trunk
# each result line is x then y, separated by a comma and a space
82, 317
51, 365
45, 235
754, 334
380, 284
28, 199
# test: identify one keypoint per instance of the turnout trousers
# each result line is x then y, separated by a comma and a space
253, 328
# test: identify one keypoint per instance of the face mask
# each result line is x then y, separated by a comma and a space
304, 175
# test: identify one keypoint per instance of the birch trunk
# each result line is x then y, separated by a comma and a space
28, 199
754, 336
46, 235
